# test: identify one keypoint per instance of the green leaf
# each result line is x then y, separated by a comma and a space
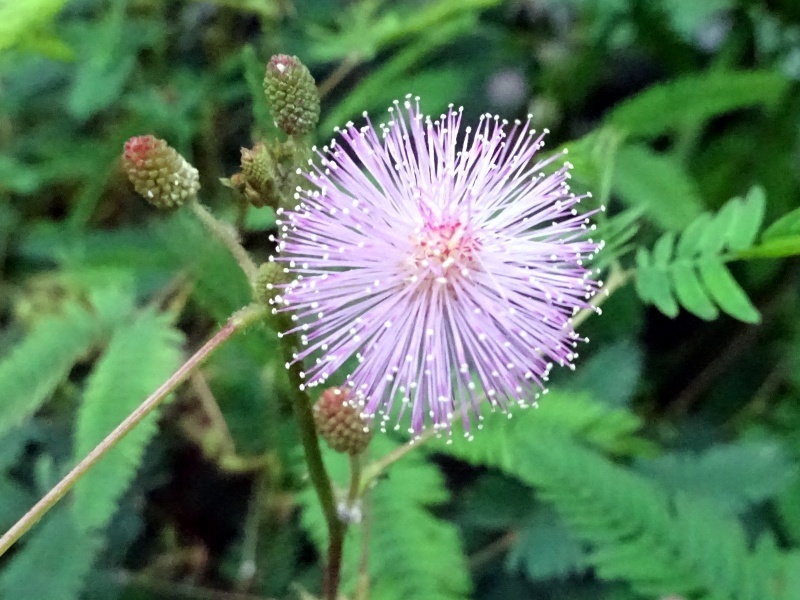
48, 44
653, 285
744, 230
657, 543
362, 32
692, 237
658, 184
726, 292
391, 80
16, 501
611, 375
140, 356
576, 414
20, 21
696, 274
690, 293
42, 360
546, 548
108, 58
414, 554
696, 98
735, 475
220, 286
662, 251
787, 225
53, 563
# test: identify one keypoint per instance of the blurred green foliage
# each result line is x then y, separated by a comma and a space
665, 467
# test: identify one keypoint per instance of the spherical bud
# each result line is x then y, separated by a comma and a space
158, 173
293, 95
339, 422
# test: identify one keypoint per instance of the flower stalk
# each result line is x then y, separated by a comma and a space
226, 235
301, 405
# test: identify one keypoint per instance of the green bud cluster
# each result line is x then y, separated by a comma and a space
158, 173
269, 173
292, 93
270, 274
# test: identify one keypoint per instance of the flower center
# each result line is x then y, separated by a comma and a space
442, 250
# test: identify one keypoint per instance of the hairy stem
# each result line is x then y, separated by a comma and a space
226, 235
239, 320
301, 404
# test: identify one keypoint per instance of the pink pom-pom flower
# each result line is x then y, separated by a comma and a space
444, 259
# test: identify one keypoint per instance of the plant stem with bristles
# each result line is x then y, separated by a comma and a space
301, 404
225, 234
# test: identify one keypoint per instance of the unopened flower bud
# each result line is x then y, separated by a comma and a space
258, 173
339, 422
265, 284
292, 94
158, 173
269, 173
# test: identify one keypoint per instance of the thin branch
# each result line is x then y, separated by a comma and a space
247, 564
375, 469
355, 479
211, 408
616, 279
362, 585
494, 549
234, 324
175, 589
339, 73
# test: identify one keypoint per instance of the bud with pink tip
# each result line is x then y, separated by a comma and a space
158, 173
292, 94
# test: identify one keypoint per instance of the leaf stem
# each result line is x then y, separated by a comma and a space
362, 585
227, 236
350, 62
301, 404
237, 321
355, 479
375, 469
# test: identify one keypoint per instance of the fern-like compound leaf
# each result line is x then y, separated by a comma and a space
140, 356
689, 271
42, 360
660, 545
53, 562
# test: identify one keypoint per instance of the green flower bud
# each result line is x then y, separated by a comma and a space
270, 274
258, 173
339, 422
158, 173
269, 173
292, 94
